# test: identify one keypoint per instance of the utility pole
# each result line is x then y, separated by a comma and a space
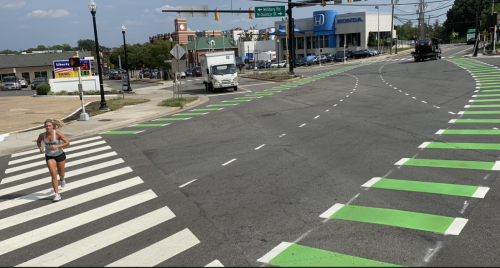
422, 18
392, 26
478, 13
291, 46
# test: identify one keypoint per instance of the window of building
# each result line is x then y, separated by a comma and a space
26, 76
300, 43
309, 42
283, 41
4, 75
190, 38
327, 41
352, 39
314, 41
41, 74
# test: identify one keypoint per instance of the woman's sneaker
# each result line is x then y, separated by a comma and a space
56, 198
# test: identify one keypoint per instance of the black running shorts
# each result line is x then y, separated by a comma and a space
58, 158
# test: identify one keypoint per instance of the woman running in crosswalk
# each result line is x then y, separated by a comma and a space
54, 154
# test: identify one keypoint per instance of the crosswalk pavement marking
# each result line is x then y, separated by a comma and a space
10, 203
215, 263
160, 251
67, 224
68, 164
42, 156
69, 174
102, 239
72, 143
43, 162
70, 202
439, 163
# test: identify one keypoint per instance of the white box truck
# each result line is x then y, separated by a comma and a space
219, 71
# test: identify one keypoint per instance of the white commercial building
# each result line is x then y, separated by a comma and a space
326, 31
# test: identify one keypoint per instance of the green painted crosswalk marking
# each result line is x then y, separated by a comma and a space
209, 109
235, 100
462, 146
481, 112
471, 132
488, 100
486, 72
188, 114
262, 93
490, 90
172, 119
243, 98
295, 255
487, 79
427, 187
256, 95
477, 121
149, 125
398, 218
485, 106
438, 163
121, 132
487, 95
218, 105
489, 86
496, 83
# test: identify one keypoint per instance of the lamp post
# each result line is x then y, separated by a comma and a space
171, 40
278, 41
126, 60
93, 8
378, 30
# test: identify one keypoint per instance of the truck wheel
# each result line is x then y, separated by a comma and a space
235, 88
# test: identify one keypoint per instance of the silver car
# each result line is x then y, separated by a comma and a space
23, 81
10, 82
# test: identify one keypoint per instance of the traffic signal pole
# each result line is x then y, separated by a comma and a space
291, 27
478, 13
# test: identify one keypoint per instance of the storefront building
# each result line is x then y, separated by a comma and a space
326, 31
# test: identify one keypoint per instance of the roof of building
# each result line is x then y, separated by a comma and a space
32, 60
203, 43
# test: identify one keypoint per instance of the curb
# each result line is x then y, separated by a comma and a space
202, 99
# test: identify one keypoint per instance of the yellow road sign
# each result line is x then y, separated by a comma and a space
287, 54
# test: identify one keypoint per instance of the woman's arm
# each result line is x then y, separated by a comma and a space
65, 140
39, 143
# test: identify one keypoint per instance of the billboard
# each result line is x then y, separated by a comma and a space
63, 70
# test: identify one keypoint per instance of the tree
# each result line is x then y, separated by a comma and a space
461, 17
86, 45
261, 37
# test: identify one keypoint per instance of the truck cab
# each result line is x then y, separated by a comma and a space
219, 71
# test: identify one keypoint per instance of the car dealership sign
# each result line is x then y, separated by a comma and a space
349, 20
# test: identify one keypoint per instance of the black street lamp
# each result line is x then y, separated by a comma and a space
126, 60
93, 8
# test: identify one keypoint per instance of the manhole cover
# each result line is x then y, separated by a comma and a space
106, 120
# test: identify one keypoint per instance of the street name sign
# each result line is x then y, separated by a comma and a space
270, 11
178, 51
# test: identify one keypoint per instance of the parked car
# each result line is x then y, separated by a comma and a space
374, 51
112, 76
340, 56
180, 75
250, 65
363, 53
281, 64
196, 71
118, 76
319, 59
189, 72
23, 81
37, 81
11, 82
329, 56
301, 62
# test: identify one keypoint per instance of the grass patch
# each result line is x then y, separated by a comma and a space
113, 105
173, 102
275, 75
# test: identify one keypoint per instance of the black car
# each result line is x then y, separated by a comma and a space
363, 53
189, 72
330, 58
340, 56
112, 76
302, 62
37, 81
426, 45
250, 65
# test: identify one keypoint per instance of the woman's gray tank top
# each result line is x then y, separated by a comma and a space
48, 150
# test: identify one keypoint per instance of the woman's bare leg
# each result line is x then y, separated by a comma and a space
53, 172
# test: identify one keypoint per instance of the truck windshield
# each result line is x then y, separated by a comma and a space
224, 69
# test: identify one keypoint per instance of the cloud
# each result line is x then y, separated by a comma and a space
146, 10
15, 5
59, 13
109, 6
165, 7
132, 22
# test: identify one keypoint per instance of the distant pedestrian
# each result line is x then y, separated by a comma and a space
54, 155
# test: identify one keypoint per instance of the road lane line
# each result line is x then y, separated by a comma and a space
260, 147
187, 183
230, 161
302, 125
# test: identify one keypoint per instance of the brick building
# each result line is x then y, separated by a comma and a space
183, 34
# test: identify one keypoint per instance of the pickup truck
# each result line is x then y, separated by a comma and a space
427, 48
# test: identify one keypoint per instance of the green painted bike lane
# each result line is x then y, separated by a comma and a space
438, 163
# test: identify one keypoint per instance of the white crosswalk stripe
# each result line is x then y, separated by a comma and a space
90, 162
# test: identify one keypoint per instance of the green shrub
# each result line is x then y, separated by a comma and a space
42, 89
63, 92
51, 93
76, 92
114, 91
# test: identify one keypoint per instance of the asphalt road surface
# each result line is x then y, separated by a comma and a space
389, 162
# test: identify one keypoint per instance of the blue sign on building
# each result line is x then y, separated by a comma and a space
324, 24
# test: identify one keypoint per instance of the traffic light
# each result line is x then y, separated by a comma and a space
216, 14
267, 35
251, 35
250, 14
323, 3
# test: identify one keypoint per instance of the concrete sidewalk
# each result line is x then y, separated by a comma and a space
111, 120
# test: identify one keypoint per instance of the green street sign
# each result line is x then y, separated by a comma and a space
269, 11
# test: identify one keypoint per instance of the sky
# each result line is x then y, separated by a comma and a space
30, 23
